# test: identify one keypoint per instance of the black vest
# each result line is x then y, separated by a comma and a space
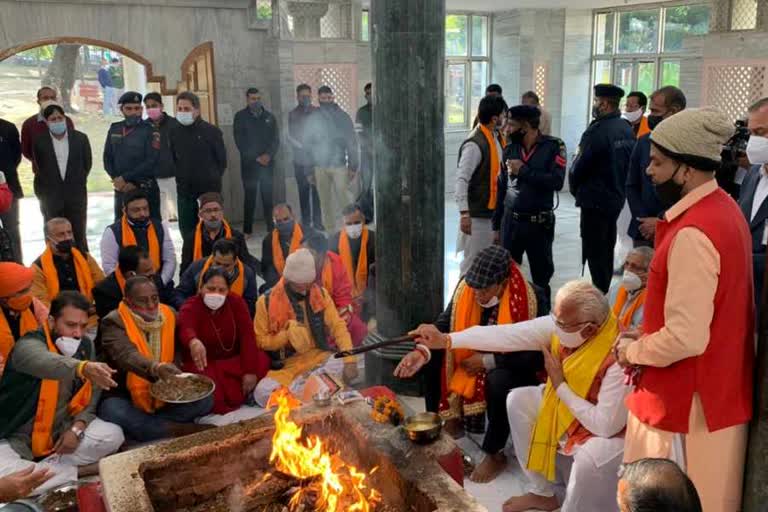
141, 236
479, 191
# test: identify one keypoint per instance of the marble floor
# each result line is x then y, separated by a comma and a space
567, 256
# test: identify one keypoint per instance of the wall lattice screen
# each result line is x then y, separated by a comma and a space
732, 88
342, 78
540, 82
317, 19
743, 14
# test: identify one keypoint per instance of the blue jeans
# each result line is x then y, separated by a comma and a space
108, 102
140, 426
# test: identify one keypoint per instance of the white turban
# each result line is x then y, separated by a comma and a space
300, 267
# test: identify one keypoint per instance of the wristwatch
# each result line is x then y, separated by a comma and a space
79, 432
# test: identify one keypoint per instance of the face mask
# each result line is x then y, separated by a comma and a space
150, 315
491, 303
185, 118
67, 346
256, 106
757, 150
569, 339
58, 128
214, 301
140, 223
212, 225
633, 117
653, 121
64, 245
596, 112
305, 102
354, 231
285, 228
669, 192
131, 121
517, 137
154, 113
326, 104
631, 281
20, 303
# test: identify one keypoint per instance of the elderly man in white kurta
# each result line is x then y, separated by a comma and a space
570, 430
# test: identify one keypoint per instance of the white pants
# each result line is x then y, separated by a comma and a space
167, 188
333, 187
624, 243
101, 439
590, 474
244, 413
471, 245
267, 386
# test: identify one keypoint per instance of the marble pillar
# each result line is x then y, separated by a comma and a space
408, 45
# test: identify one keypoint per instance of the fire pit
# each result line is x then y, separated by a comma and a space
327, 459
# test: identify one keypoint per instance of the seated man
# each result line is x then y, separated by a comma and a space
63, 267
293, 323
658, 485
279, 244
20, 312
356, 245
467, 384
225, 255
627, 297
138, 340
48, 396
577, 420
136, 227
211, 228
133, 261
332, 276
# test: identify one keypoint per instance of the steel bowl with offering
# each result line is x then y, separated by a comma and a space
183, 388
424, 427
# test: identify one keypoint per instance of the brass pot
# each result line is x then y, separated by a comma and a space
424, 427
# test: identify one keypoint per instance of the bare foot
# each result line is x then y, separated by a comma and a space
491, 467
455, 428
530, 502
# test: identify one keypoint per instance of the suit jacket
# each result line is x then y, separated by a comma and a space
49, 187
756, 225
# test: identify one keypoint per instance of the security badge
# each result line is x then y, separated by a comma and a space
155, 139
562, 158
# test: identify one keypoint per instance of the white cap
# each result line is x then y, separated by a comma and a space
300, 267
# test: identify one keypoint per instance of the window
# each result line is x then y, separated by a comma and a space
467, 69
365, 26
641, 49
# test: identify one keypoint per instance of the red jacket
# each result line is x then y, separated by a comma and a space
32, 128
6, 198
341, 291
723, 374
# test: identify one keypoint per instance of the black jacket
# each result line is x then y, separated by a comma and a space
132, 153
10, 155
166, 167
200, 157
331, 138
242, 250
107, 294
255, 136
541, 175
641, 194
599, 173
190, 277
48, 184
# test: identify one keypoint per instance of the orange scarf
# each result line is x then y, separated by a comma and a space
129, 238
281, 309
328, 276
27, 323
278, 258
495, 165
82, 270
42, 429
137, 386
467, 313
120, 279
625, 320
644, 128
197, 252
237, 287
359, 277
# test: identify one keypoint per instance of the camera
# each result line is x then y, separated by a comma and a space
733, 150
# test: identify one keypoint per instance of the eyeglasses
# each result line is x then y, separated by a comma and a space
563, 326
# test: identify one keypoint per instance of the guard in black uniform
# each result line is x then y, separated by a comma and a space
597, 181
131, 153
524, 216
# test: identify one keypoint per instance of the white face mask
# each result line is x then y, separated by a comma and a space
354, 230
185, 118
631, 281
491, 303
213, 300
67, 346
569, 339
633, 117
757, 150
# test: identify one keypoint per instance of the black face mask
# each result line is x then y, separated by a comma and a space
653, 121
140, 223
517, 137
65, 245
670, 191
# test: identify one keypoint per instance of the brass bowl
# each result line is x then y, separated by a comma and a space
424, 427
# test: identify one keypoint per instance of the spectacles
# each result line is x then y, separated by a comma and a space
564, 326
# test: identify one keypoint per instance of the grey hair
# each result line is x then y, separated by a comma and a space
590, 301
646, 252
53, 222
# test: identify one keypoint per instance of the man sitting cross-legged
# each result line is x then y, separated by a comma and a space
572, 428
138, 339
48, 397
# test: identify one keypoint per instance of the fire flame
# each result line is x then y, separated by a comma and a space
338, 487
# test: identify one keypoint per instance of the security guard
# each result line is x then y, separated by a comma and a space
131, 153
597, 181
524, 217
